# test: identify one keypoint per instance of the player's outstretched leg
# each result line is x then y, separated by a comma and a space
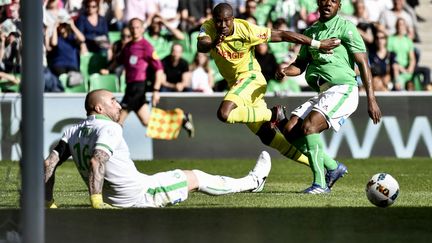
220, 185
261, 170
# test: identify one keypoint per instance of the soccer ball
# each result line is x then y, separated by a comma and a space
382, 190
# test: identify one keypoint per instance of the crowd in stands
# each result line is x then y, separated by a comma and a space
83, 38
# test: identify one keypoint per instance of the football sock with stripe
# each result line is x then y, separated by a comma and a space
220, 185
288, 150
246, 114
275, 139
315, 154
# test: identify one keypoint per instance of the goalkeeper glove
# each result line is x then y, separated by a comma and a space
50, 204
98, 203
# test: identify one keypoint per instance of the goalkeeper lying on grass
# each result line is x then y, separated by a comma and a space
102, 157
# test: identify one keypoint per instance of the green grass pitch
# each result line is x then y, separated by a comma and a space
278, 214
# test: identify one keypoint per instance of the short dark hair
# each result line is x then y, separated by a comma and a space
221, 7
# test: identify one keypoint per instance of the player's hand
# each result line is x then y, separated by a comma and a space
219, 39
98, 203
374, 111
50, 204
328, 44
280, 74
155, 98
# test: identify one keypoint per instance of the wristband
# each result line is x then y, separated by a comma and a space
96, 200
156, 90
316, 44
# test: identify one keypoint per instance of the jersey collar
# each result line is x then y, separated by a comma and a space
330, 22
101, 117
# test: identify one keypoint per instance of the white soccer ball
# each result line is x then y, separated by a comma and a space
382, 190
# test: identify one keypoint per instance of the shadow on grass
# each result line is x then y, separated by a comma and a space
397, 224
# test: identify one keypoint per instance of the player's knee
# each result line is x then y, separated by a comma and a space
225, 109
222, 115
266, 133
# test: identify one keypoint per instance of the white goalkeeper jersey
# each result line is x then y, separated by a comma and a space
123, 185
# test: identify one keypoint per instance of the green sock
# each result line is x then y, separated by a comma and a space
316, 159
329, 162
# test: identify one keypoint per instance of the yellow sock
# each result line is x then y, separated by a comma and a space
288, 150
247, 114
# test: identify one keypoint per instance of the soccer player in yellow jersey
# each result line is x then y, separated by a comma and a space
231, 43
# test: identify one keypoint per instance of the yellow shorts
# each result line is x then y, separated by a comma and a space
249, 90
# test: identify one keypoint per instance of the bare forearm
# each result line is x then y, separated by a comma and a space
97, 171
366, 79
160, 78
289, 36
50, 164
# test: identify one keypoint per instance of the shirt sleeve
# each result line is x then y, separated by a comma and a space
352, 39
152, 58
206, 29
108, 138
259, 34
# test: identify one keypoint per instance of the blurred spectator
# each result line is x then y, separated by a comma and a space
73, 7
201, 74
168, 10
94, 27
52, 82
361, 19
114, 61
162, 41
389, 18
347, 7
112, 10
10, 52
250, 10
375, 8
283, 51
237, 5
53, 13
287, 10
403, 48
141, 9
193, 13
267, 61
12, 13
413, 4
262, 13
380, 59
308, 13
176, 70
64, 48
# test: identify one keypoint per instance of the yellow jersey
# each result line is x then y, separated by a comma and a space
236, 54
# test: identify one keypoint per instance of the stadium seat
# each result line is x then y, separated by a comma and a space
82, 88
114, 36
108, 82
161, 45
92, 63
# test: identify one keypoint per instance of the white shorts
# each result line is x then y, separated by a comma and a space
336, 104
164, 188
